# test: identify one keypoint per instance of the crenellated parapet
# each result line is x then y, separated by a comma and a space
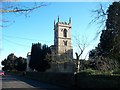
62, 23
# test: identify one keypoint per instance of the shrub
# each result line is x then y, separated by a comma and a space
116, 71
97, 72
87, 72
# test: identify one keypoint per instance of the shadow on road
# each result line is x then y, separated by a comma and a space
35, 85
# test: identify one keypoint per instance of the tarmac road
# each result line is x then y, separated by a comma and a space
10, 82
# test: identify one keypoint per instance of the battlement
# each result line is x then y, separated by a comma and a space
62, 23
65, 23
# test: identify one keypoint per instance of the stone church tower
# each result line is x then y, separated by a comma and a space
62, 40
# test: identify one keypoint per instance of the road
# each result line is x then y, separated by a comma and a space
22, 83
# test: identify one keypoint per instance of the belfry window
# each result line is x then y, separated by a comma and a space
65, 43
65, 33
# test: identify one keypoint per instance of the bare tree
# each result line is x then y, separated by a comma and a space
18, 9
99, 16
82, 44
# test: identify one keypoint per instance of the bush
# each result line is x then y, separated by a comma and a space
116, 71
97, 72
87, 72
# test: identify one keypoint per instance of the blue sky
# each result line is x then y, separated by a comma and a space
22, 31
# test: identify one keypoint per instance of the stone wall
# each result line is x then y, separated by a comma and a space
60, 66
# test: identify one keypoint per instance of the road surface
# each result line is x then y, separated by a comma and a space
10, 82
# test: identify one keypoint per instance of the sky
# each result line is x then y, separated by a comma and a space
37, 26
59, 0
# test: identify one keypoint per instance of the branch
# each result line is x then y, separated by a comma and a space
100, 16
81, 46
7, 22
19, 10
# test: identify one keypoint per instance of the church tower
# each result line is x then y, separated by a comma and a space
62, 39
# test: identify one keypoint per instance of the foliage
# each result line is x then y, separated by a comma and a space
106, 55
20, 64
92, 54
87, 72
112, 31
116, 71
113, 21
9, 62
40, 57
14, 63
97, 72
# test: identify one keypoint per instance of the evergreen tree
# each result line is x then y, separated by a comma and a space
110, 38
39, 57
20, 64
108, 50
113, 23
9, 62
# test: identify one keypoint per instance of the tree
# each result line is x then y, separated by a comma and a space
9, 7
108, 54
113, 20
14, 63
92, 54
17, 9
9, 62
106, 42
40, 57
5, 64
100, 15
20, 64
81, 44
113, 23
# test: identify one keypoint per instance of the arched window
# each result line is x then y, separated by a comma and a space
65, 33
65, 43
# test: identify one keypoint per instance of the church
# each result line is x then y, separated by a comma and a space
62, 48
62, 52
